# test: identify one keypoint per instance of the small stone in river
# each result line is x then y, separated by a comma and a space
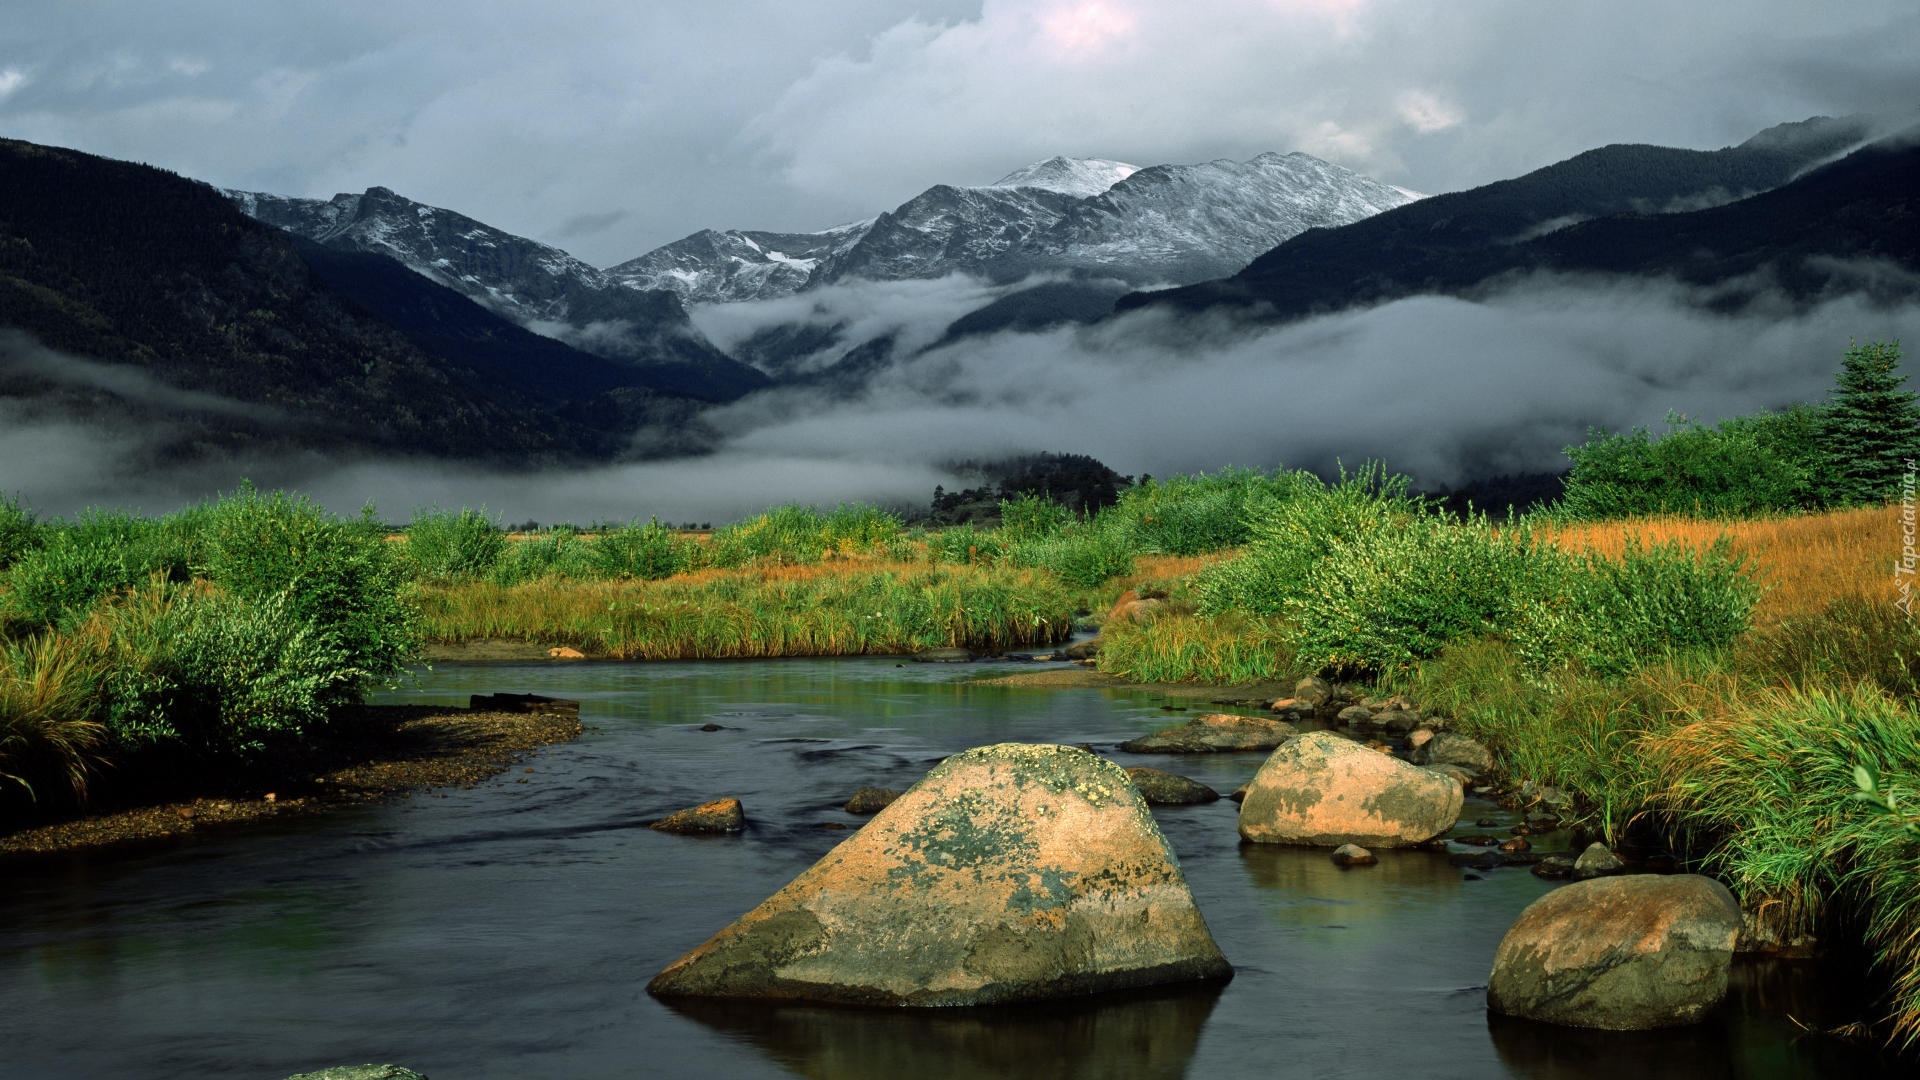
1487, 823
1355, 716
711, 727
1214, 733
1597, 861
1477, 840
1353, 855
1518, 843
718, 816
871, 800
1167, 789
1478, 860
564, 652
362, 1072
1554, 867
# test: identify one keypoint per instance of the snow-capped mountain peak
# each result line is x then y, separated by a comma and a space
1080, 177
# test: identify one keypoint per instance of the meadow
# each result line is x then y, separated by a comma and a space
1736, 687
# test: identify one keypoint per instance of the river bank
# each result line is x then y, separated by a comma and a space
368, 753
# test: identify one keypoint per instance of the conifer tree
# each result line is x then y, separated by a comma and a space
1872, 427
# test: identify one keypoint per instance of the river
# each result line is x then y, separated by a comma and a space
509, 930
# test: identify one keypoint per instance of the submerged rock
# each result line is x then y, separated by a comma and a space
1623, 954
361, 1073
1167, 789
1324, 790
718, 816
871, 800
1214, 733
1009, 873
942, 656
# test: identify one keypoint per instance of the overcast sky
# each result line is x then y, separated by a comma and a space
609, 128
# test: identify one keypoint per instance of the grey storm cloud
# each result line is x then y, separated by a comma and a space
613, 127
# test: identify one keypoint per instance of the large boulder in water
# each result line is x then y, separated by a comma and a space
1009, 873
1624, 954
1325, 790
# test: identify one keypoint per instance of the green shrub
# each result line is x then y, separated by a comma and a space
1081, 556
1606, 616
445, 546
1190, 515
645, 552
218, 675
558, 552
1290, 536
340, 578
59, 581
19, 533
1384, 598
1749, 465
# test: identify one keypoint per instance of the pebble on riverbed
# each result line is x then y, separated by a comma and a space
871, 800
1353, 855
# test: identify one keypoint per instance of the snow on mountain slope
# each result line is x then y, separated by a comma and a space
1081, 177
1165, 224
536, 285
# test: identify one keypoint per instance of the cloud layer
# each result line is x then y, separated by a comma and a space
611, 127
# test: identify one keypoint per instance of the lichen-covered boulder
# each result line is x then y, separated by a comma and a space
1009, 873
1324, 790
1214, 733
1623, 954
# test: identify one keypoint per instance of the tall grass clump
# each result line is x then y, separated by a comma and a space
445, 546
558, 552
795, 535
965, 545
1181, 646
1032, 517
1774, 787
50, 733
1082, 555
639, 552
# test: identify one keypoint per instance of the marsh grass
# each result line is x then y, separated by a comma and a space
1184, 646
49, 733
833, 609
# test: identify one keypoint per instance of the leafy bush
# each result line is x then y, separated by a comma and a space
645, 552
57, 582
1190, 515
1606, 616
1290, 536
218, 675
18, 532
445, 546
785, 535
1749, 465
339, 578
1383, 598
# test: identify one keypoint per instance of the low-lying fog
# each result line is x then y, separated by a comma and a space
1445, 389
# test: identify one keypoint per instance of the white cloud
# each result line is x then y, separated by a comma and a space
11, 79
1426, 114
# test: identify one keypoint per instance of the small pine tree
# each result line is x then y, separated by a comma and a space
1871, 427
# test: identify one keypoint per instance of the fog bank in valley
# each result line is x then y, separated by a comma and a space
1448, 390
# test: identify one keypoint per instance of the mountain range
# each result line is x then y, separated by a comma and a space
372, 323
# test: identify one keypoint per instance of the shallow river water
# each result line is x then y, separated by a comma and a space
509, 930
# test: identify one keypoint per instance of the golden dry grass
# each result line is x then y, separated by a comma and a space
1804, 563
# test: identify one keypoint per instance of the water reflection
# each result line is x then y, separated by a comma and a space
1109, 1036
